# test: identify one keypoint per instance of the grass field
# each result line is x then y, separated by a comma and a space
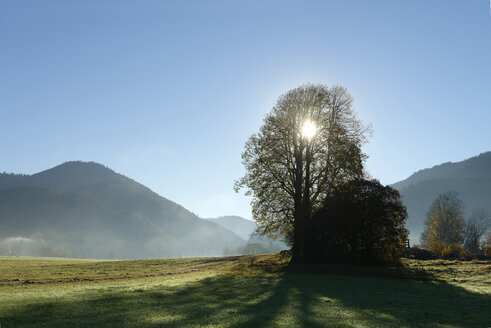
261, 291
42, 270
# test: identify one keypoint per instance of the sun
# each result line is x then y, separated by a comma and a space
308, 129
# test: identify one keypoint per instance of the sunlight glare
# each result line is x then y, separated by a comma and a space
308, 129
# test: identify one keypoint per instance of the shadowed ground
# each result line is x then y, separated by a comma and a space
262, 292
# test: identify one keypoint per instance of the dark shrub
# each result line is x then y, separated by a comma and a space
360, 222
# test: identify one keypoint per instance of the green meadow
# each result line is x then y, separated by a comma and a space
254, 291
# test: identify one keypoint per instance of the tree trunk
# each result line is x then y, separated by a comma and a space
307, 209
298, 226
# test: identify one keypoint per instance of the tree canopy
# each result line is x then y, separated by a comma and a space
290, 173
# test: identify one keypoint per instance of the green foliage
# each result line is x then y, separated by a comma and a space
360, 222
289, 175
444, 221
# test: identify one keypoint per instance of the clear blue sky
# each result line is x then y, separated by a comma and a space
167, 92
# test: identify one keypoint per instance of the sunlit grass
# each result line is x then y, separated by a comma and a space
264, 291
17, 269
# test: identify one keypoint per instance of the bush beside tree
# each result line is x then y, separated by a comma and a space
360, 222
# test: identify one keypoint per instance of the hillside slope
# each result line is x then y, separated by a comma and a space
89, 210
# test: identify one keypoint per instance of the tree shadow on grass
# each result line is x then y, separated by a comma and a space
300, 296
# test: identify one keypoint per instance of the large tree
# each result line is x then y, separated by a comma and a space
309, 143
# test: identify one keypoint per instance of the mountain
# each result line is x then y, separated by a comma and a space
471, 178
242, 227
86, 209
245, 228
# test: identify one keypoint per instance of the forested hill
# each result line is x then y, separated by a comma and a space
86, 209
471, 178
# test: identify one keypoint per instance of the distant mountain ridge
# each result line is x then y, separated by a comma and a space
474, 167
245, 229
242, 227
471, 178
66, 176
87, 209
